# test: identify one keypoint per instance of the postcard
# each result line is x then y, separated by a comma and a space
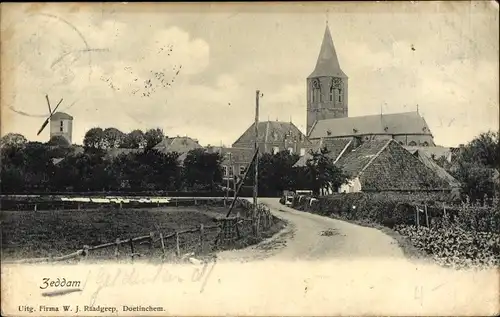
250, 159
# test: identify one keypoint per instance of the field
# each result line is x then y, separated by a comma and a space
27, 234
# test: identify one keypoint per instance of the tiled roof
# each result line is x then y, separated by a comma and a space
384, 165
356, 160
328, 63
436, 151
396, 123
336, 147
177, 144
441, 172
272, 131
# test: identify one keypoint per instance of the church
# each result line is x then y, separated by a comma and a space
379, 151
328, 110
328, 116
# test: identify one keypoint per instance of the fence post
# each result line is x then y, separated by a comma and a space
152, 241
426, 216
86, 251
162, 244
35, 208
117, 245
202, 242
131, 241
177, 248
416, 216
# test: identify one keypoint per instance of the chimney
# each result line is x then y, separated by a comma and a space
461, 148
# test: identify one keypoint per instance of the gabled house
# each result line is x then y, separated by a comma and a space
273, 137
428, 158
384, 165
336, 147
235, 160
179, 144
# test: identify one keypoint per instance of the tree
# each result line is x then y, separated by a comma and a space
133, 140
13, 139
322, 173
112, 138
477, 165
58, 140
202, 169
276, 173
483, 150
94, 139
153, 137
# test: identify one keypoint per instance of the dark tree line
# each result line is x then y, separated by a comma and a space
99, 138
56, 166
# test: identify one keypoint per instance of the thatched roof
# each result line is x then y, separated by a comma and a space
384, 165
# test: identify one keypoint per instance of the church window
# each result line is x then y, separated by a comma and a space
412, 143
329, 132
61, 126
340, 95
425, 143
331, 94
316, 92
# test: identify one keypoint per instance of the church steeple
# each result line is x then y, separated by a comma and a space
326, 86
328, 62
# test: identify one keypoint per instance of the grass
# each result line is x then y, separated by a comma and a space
29, 234
54, 233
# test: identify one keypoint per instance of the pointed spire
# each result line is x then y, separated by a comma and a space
328, 63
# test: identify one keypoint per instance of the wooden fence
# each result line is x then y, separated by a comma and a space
199, 240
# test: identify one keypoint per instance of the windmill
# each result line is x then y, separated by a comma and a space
50, 114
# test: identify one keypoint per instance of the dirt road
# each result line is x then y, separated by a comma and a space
313, 237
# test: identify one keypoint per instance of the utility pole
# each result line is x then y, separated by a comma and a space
256, 146
232, 176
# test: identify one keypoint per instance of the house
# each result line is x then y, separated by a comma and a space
273, 137
434, 152
427, 157
235, 160
179, 144
385, 166
336, 148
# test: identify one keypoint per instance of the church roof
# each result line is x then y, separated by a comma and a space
272, 131
328, 63
393, 124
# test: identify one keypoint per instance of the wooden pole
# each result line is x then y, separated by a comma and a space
426, 216
240, 185
151, 240
162, 244
131, 241
256, 148
202, 242
418, 217
177, 247
117, 246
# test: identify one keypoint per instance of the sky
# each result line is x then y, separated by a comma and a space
193, 69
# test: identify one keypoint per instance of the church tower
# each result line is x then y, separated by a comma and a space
326, 86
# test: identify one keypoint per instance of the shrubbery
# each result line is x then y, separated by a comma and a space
468, 235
